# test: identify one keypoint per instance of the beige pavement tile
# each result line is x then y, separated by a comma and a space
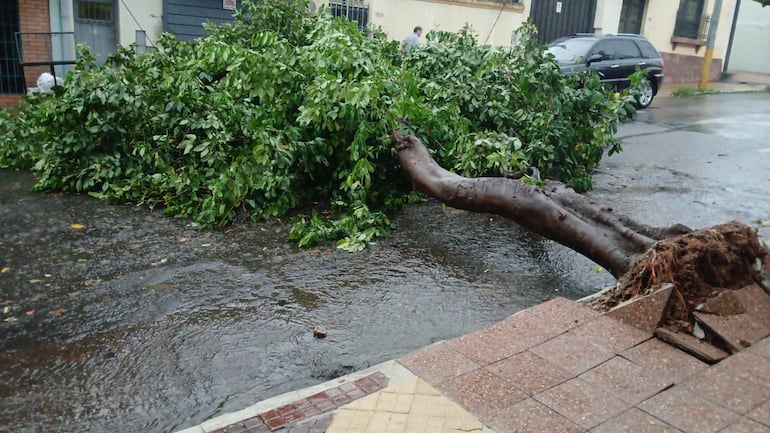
366, 403
386, 402
342, 420
403, 403
397, 423
410, 407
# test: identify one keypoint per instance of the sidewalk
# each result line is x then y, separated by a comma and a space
558, 367
733, 82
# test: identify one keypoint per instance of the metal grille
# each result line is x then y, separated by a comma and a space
557, 18
94, 11
354, 11
11, 75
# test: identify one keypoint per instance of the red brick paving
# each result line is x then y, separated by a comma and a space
296, 416
688, 412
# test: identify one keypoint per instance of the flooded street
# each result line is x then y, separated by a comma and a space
138, 323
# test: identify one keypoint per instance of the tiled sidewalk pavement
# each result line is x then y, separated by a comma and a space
562, 367
558, 367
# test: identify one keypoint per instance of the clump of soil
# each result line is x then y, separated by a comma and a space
700, 265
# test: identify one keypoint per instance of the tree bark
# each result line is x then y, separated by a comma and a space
556, 212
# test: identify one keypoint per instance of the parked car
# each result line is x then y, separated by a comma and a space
614, 57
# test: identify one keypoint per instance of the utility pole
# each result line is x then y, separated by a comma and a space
705, 70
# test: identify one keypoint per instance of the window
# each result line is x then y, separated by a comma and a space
631, 16
648, 51
626, 49
11, 75
606, 49
688, 19
94, 11
352, 10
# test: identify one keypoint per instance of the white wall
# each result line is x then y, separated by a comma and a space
148, 13
660, 20
750, 52
607, 18
398, 17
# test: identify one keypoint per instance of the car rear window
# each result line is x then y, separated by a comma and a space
648, 51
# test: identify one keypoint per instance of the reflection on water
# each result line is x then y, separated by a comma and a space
141, 323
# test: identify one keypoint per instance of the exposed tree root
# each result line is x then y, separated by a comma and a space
699, 264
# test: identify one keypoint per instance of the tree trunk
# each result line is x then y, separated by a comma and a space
556, 212
701, 264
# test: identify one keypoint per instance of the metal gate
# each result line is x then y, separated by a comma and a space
557, 18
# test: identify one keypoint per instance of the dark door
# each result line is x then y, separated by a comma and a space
631, 16
557, 18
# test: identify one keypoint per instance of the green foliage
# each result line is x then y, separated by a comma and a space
285, 108
690, 91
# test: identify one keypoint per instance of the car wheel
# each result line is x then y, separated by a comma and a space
646, 95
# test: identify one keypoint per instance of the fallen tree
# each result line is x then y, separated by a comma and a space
699, 263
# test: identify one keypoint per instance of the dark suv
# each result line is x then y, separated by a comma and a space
615, 57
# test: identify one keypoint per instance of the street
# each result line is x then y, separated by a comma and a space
697, 160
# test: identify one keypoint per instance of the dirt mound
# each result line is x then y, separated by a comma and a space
700, 265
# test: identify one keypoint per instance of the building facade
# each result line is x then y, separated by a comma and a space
678, 28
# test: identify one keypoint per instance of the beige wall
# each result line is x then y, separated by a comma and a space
660, 19
398, 17
149, 14
607, 18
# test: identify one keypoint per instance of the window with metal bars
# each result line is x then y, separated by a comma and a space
352, 10
11, 75
94, 10
689, 19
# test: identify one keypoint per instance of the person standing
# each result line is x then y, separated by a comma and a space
413, 39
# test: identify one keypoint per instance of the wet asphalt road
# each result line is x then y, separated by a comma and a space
697, 160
